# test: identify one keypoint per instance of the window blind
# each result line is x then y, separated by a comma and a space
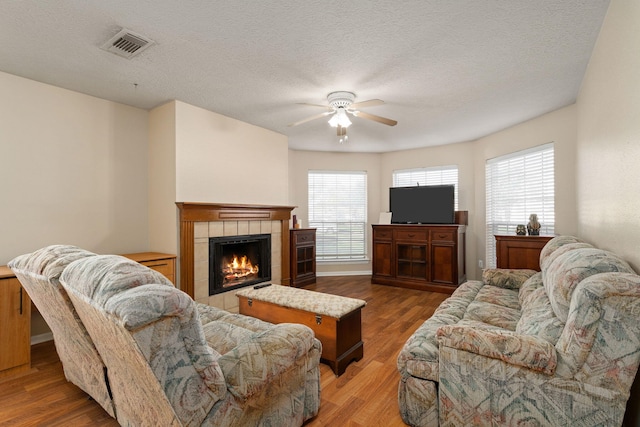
517, 185
439, 175
338, 211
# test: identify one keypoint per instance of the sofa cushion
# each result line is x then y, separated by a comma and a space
419, 355
499, 296
561, 250
534, 282
569, 269
600, 343
555, 243
493, 314
223, 336
538, 318
506, 278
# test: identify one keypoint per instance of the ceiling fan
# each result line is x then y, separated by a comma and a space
340, 105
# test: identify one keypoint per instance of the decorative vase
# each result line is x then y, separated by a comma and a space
533, 227
521, 230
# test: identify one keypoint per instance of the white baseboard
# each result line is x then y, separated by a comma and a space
37, 339
344, 273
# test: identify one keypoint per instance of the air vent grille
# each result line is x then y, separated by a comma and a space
127, 44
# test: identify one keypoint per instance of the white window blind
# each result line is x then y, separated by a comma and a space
338, 211
517, 185
440, 175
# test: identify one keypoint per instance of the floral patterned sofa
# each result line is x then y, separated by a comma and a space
550, 348
170, 361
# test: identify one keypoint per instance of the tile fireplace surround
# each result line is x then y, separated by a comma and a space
199, 221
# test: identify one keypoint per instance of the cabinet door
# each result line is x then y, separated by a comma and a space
382, 252
443, 265
305, 261
411, 260
15, 322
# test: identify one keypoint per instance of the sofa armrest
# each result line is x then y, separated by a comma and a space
510, 347
249, 367
506, 278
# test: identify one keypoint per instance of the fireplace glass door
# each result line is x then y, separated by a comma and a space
238, 261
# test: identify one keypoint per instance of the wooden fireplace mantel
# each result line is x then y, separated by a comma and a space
191, 213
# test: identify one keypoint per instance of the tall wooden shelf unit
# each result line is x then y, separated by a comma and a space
303, 256
425, 257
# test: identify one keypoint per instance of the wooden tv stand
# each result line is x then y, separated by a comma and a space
425, 257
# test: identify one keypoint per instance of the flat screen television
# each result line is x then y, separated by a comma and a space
428, 204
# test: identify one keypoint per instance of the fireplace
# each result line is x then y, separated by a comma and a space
238, 261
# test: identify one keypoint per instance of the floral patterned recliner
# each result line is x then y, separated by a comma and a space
166, 360
39, 273
550, 348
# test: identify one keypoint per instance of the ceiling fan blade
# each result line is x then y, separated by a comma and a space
369, 103
308, 119
375, 118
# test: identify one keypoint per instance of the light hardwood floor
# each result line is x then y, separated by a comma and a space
365, 395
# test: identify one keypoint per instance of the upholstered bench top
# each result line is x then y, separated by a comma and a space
315, 302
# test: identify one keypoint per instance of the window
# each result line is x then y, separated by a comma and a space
518, 185
441, 175
338, 211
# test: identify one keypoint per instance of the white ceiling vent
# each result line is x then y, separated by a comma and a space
127, 44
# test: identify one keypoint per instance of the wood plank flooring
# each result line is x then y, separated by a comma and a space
365, 395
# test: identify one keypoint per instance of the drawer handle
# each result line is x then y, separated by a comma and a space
442, 236
411, 235
304, 237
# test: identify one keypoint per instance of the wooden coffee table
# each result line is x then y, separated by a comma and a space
335, 320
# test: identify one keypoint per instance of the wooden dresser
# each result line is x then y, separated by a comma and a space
519, 251
15, 312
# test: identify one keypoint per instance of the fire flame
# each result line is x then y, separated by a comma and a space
239, 268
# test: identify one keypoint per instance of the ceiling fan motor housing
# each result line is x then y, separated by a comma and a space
341, 99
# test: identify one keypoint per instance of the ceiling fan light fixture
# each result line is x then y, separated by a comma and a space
340, 119
342, 135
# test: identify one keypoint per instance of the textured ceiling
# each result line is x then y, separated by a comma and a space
448, 71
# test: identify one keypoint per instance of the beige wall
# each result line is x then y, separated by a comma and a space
608, 172
558, 127
74, 170
300, 162
223, 160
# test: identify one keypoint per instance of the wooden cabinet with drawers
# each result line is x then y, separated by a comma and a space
427, 257
519, 251
303, 256
162, 263
15, 325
